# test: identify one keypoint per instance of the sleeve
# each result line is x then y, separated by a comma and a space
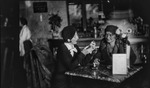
82, 59
21, 49
21, 46
98, 54
26, 34
67, 60
86, 60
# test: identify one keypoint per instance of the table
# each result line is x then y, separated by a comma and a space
103, 74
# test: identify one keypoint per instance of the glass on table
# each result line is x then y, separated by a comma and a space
96, 63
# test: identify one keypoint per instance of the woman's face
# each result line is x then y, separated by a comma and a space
110, 37
75, 38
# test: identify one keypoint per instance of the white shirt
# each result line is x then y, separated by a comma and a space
71, 48
25, 34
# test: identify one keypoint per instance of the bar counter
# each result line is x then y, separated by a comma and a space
82, 42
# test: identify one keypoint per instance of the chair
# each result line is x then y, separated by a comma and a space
39, 67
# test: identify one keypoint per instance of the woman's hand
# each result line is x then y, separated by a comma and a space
22, 52
89, 49
85, 51
93, 45
96, 61
109, 67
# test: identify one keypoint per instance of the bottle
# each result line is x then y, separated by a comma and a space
95, 32
143, 56
128, 49
145, 59
96, 64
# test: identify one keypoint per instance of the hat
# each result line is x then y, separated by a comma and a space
111, 28
68, 32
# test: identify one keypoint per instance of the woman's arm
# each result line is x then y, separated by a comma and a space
85, 56
66, 58
26, 34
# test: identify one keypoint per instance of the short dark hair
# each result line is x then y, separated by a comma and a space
23, 21
111, 28
68, 32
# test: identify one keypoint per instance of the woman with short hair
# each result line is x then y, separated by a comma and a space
111, 44
69, 57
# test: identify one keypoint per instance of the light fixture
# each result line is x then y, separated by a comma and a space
28, 3
108, 1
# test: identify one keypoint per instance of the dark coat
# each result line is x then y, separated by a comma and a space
106, 57
27, 46
39, 67
66, 62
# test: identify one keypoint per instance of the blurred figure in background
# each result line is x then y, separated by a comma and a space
25, 43
25, 46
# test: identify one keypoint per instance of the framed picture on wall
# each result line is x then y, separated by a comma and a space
39, 7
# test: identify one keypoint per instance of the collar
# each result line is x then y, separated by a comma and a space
71, 48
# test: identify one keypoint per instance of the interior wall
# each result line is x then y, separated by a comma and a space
40, 27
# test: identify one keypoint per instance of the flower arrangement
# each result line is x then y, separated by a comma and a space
55, 20
124, 34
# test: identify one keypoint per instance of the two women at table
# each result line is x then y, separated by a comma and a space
69, 56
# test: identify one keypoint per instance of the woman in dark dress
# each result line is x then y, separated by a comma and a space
112, 44
69, 57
